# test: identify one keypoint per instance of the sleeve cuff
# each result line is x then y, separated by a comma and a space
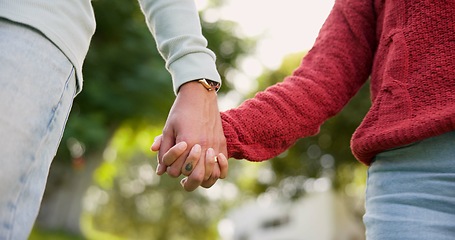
191, 67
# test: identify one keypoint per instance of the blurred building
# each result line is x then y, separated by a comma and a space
316, 216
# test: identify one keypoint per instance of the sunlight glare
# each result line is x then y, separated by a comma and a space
284, 27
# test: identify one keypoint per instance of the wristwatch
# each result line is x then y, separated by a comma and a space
209, 84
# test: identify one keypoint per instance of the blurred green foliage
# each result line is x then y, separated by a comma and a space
38, 234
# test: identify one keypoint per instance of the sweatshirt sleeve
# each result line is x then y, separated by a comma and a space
176, 27
329, 76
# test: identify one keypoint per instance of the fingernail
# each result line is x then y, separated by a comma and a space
157, 168
211, 151
197, 148
181, 145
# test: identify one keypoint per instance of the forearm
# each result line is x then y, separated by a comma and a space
176, 28
268, 124
330, 74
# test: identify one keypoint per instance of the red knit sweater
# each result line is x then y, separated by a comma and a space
408, 49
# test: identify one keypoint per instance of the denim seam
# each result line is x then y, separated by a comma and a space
40, 146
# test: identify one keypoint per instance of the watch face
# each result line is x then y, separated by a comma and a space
215, 85
210, 85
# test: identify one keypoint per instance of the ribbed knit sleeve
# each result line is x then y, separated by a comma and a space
177, 30
330, 74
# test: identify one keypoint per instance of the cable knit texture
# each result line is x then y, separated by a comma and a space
408, 49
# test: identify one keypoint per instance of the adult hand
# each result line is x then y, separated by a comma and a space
194, 119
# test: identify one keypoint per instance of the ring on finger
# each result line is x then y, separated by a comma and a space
216, 159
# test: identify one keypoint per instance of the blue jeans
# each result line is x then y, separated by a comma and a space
411, 192
37, 87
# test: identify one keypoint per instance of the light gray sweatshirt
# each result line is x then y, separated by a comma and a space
70, 25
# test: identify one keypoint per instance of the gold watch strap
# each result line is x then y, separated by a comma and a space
209, 85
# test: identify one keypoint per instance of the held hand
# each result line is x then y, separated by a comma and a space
171, 155
198, 178
202, 175
194, 118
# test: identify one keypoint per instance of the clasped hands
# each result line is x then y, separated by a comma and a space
201, 169
193, 142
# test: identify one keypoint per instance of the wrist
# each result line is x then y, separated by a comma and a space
194, 89
194, 96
